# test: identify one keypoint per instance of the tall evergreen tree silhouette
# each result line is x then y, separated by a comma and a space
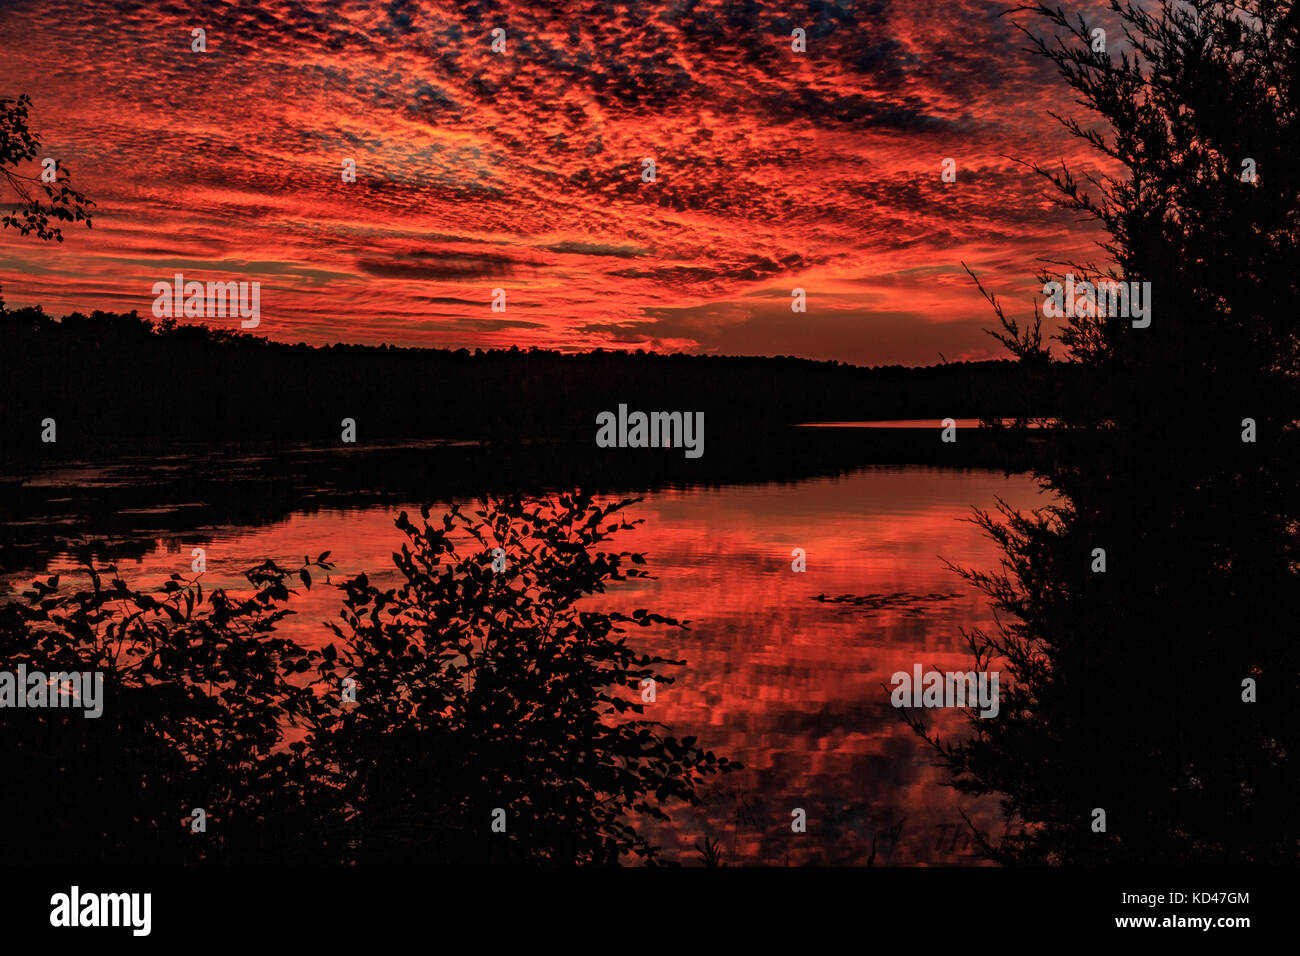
1130, 684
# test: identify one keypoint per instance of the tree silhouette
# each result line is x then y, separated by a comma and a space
488, 682
19, 145
1130, 683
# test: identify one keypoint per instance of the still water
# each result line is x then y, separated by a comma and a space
784, 670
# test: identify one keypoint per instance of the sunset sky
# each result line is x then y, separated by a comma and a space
522, 170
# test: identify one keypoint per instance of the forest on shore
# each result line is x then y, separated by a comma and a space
101, 377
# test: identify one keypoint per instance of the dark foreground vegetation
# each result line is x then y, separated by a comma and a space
1148, 622
477, 713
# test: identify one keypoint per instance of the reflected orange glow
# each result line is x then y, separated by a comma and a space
789, 685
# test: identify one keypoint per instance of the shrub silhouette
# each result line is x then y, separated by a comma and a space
476, 689
197, 691
482, 689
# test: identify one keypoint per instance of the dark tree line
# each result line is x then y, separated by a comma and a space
110, 376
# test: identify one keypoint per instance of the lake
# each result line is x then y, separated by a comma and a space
784, 670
